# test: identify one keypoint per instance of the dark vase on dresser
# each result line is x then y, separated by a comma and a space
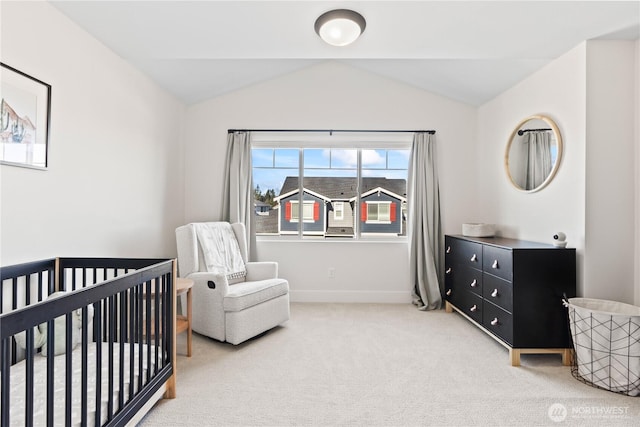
512, 290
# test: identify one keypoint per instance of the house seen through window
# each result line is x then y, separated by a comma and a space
338, 192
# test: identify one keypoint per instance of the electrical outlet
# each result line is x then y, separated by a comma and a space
331, 273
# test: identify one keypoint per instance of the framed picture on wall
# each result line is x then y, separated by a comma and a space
24, 121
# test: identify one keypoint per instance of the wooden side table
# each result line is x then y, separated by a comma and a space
183, 322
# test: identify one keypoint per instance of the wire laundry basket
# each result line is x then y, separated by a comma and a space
606, 343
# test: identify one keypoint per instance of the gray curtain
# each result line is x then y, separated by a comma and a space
237, 202
424, 227
538, 165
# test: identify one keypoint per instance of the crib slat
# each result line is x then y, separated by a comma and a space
52, 282
122, 331
132, 334
139, 312
14, 300
165, 328
27, 290
14, 305
68, 368
5, 384
40, 280
112, 315
85, 361
51, 343
147, 321
97, 307
156, 319
30, 353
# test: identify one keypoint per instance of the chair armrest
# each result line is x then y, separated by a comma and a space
261, 270
203, 279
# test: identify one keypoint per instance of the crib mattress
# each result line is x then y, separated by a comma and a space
18, 383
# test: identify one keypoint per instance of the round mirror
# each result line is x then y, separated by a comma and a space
533, 154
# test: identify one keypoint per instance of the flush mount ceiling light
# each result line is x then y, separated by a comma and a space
340, 27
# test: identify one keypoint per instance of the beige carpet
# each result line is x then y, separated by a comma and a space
379, 365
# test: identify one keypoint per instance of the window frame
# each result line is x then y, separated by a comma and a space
356, 141
386, 220
305, 204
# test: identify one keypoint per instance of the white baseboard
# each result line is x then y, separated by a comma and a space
396, 297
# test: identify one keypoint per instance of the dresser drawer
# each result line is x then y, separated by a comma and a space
498, 291
462, 252
455, 296
498, 261
498, 321
459, 281
470, 304
467, 278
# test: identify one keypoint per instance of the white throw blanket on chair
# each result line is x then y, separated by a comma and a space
220, 249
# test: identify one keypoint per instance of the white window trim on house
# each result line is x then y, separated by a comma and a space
377, 220
307, 215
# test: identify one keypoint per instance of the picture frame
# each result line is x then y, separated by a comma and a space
25, 115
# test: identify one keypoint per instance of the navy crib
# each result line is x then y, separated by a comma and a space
121, 310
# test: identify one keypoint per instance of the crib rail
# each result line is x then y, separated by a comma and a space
130, 333
23, 284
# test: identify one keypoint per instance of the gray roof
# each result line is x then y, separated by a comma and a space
344, 188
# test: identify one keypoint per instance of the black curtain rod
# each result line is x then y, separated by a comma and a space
523, 131
331, 131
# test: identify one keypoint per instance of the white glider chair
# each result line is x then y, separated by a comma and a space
233, 300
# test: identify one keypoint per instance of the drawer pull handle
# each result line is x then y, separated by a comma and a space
474, 283
494, 322
495, 264
448, 270
449, 292
494, 293
473, 308
474, 258
448, 249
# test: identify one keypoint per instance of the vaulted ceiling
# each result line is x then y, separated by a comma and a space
469, 51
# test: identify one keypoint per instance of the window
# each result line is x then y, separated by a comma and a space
378, 212
351, 189
307, 211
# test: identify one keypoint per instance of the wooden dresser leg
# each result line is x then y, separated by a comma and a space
514, 355
447, 307
567, 356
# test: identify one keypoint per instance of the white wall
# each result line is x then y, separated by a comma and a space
610, 184
332, 95
118, 183
586, 91
637, 174
114, 185
557, 90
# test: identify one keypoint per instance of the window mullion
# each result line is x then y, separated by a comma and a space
301, 193
356, 219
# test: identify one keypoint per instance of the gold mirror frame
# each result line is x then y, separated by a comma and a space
556, 164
